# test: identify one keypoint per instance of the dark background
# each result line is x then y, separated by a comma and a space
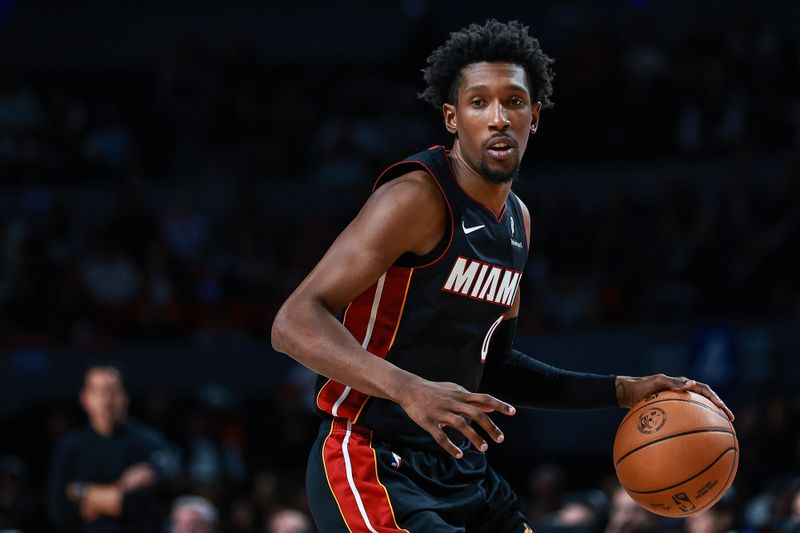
169, 173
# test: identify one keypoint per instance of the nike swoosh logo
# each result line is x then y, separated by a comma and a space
467, 230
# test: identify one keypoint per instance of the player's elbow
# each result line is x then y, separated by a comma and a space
293, 327
280, 330
287, 325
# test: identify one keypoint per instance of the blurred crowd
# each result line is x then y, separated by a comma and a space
103, 239
238, 467
717, 83
137, 269
240, 463
152, 261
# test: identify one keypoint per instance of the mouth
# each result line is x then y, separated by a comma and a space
501, 148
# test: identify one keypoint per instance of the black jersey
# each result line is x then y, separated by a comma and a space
434, 318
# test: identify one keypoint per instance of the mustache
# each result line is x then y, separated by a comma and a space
500, 136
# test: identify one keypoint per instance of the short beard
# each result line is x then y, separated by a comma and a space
499, 177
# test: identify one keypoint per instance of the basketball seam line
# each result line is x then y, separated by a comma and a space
662, 439
721, 491
715, 461
704, 406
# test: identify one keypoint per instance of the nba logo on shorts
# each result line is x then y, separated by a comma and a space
396, 460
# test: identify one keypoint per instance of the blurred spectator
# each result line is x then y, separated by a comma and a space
546, 489
242, 515
720, 518
792, 524
105, 477
583, 511
212, 454
266, 486
186, 231
289, 521
109, 141
193, 514
19, 107
110, 277
574, 516
17, 503
626, 516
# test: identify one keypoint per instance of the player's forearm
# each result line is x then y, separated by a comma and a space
311, 335
525, 381
520, 379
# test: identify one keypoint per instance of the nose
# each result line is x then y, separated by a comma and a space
500, 120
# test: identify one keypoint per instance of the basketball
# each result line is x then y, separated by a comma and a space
675, 453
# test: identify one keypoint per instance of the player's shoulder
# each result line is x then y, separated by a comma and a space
416, 180
416, 190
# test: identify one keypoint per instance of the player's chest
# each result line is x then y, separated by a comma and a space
485, 259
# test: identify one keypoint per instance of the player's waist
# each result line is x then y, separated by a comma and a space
389, 423
398, 436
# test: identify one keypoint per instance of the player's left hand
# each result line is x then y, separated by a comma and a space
632, 390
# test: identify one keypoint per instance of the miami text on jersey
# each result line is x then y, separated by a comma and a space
482, 281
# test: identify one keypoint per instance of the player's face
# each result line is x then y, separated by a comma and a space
493, 118
104, 398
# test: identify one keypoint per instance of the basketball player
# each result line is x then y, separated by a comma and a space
428, 274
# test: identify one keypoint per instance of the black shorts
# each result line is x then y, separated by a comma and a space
357, 484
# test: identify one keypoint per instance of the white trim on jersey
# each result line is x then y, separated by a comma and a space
488, 338
349, 470
367, 337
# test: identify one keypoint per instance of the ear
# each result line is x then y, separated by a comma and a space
449, 112
535, 110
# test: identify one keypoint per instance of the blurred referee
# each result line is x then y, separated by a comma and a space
104, 477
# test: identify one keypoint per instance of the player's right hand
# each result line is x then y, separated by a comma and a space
434, 405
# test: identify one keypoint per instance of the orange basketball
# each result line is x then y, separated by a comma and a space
676, 453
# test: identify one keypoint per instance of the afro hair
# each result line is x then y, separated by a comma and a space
494, 41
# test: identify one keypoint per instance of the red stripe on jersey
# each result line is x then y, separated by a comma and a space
352, 471
357, 321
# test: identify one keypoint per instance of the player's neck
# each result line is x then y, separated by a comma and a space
491, 194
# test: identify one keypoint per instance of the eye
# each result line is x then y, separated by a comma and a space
476, 102
516, 101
